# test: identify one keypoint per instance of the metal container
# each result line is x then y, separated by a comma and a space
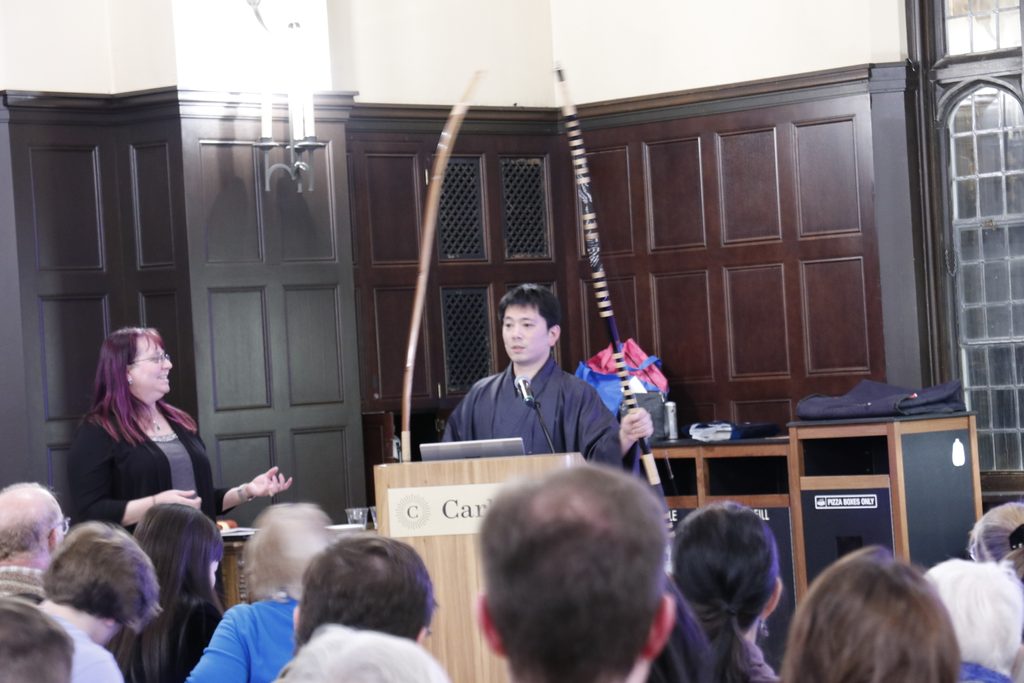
671, 421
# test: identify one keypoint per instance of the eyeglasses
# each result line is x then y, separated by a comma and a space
159, 358
64, 525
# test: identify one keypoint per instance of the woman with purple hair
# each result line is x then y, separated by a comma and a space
134, 450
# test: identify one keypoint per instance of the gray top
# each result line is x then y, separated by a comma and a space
183, 477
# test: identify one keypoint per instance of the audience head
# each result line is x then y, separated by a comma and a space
101, 571
999, 535
532, 296
338, 653
368, 582
33, 647
31, 525
868, 618
985, 602
186, 547
575, 587
289, 536
726, 565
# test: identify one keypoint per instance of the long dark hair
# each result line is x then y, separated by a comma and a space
114, 407
726, 565
183, 543
685, 657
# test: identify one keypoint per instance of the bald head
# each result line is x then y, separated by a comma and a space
30, 518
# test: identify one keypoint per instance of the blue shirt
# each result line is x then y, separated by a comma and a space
252, 644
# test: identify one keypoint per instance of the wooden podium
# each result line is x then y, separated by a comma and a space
436, 507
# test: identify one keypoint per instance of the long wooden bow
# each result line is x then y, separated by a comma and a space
588, 220
444, 150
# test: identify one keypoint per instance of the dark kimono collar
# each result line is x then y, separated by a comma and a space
539, 381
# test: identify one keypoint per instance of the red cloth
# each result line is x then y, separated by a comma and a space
604, 362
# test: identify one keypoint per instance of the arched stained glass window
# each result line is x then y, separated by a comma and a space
987, 175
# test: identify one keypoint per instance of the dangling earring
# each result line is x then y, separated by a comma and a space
130, 380
762, 630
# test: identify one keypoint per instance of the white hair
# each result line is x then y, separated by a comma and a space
339, 653
985, 602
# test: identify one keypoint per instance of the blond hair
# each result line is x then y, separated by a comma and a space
990, 537
289, 536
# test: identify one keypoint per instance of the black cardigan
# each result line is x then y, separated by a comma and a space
104, 474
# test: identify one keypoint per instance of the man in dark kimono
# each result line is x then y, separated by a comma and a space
572, 410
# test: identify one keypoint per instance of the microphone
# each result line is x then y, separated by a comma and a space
524, 391
522, 384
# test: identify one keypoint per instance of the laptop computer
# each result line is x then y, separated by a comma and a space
481, 448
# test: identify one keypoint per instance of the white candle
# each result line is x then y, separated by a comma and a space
309, 115
267, 116
295, 115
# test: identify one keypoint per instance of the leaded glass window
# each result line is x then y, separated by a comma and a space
987, 173
981, 25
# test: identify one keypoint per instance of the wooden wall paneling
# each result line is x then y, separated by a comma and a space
69, 246
748, 173
313, 329
835, 316
755, 305
228, 190
611, 190
474, 258
69, 368
905, 261
674, 200
304, 224
16, 421
392, 308
386, 203
378, 434
234, 459
239, 348
154, 252
394, 206
827, 177
756, 210
153, 204
56, 474
333, 475
682, 315
778, 411
277, 351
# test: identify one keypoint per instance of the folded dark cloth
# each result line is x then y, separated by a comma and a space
877, 399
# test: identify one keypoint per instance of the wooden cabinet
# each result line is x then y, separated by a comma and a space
910, 484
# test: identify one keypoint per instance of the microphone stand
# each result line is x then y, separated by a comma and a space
543, 425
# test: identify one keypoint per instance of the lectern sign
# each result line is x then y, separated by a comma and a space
439, 510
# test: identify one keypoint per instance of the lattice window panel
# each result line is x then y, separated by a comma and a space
467, 336
524, 208
460, 225
987, 173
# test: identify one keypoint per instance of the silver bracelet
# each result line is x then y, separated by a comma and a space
242, 497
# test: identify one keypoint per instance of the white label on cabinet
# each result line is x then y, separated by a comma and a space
846, 502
